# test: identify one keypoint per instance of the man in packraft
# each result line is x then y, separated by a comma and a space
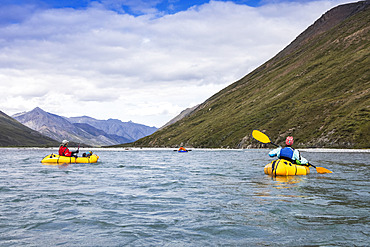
64, 151
289, 153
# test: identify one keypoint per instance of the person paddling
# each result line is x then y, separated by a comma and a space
289, 153
64, 151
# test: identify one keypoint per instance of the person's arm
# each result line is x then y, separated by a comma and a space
67, 153
275, 152
298, 158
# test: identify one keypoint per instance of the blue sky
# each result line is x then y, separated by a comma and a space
144, 61
135, 7
24, 8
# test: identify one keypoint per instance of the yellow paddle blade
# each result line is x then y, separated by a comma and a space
322, 170
261, 137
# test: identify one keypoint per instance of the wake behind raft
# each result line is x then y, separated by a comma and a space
57, 159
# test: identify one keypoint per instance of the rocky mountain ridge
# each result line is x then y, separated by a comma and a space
80, 131
129, 130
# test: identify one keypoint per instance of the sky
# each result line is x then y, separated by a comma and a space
138, 60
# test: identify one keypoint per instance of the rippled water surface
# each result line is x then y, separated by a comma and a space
165, 198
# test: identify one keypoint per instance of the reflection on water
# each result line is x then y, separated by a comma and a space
286, 186
285, 181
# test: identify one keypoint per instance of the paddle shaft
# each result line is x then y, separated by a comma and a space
311, 165
274, 144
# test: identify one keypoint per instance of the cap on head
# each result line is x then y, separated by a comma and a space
289, 141
64, 142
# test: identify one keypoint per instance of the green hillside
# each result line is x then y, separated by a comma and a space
317, 89
14, 134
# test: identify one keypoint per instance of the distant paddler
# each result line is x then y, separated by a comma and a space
182, 150
66, 156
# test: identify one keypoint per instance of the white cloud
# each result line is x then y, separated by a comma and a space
107, 65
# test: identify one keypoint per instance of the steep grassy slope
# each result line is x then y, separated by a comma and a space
317, 89
13, 133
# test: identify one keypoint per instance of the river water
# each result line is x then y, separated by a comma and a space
166, 198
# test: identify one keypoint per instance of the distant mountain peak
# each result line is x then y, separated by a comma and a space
38, 109
83, 129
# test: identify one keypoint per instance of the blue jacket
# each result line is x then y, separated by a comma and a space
288, 153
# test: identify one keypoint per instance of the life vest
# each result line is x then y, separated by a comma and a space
287, 154
64, 151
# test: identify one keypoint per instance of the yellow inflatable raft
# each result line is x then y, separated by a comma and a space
283, 167
56, 159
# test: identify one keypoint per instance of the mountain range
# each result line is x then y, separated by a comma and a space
129, 130
84, 129
316, 89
